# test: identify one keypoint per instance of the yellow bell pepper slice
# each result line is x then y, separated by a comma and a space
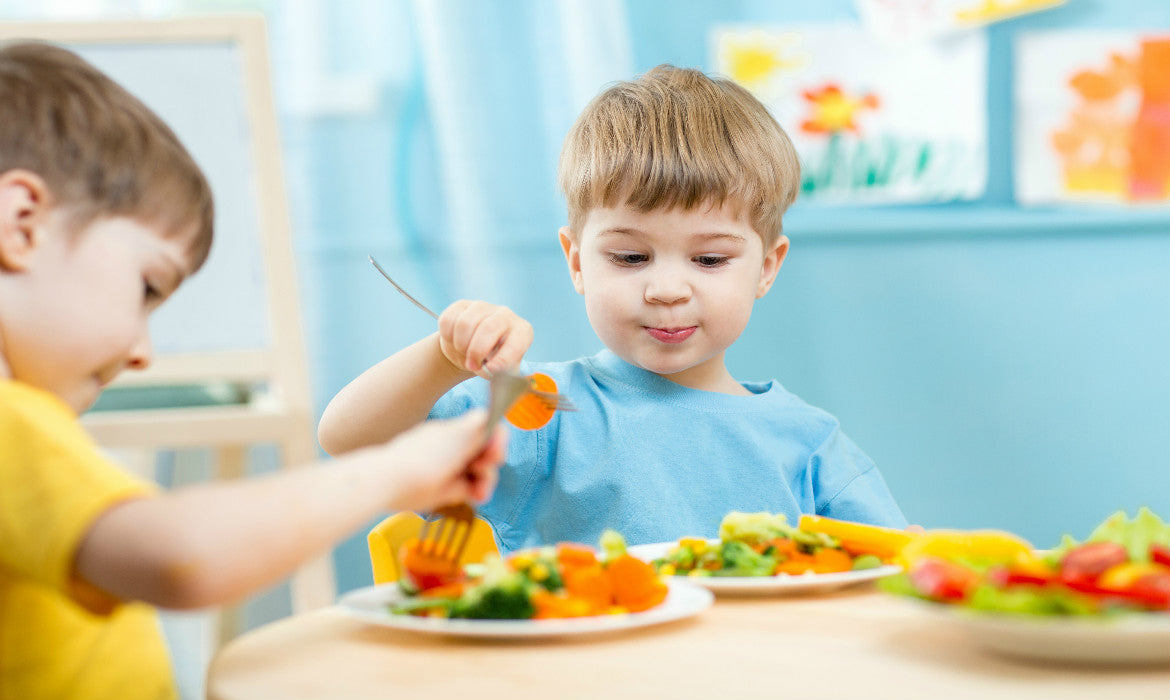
1122, 576
859, 538
976, 547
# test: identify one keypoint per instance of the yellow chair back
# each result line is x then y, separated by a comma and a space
387, 537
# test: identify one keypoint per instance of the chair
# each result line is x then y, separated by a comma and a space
387, 537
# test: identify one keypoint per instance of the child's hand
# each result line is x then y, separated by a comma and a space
446, 461
479, 337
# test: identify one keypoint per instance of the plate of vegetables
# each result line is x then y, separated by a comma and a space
569, 589
1105, 600
761, 553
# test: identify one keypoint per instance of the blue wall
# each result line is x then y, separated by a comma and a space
1005, 367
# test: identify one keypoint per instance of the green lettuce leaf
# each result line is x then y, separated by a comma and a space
1136, 534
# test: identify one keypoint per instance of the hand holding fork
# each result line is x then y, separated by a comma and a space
505, 381
444, 535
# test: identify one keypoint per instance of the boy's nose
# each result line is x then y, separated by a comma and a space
667, 287
141, 353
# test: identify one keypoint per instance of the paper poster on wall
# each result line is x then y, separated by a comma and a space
872, 124
898, 21
1092, 118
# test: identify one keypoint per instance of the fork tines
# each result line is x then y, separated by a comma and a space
444, 535
555, 401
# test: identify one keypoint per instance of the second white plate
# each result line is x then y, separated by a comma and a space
781, 584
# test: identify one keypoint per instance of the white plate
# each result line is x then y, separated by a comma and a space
780, 584
1138, 638
372, 605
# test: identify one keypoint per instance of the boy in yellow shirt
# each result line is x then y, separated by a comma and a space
103, 214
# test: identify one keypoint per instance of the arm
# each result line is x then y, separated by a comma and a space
215, 543
474, 338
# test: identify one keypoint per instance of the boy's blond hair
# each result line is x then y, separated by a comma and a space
676, 137
100, 150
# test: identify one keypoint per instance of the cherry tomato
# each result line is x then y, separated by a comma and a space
1004, 576
1160, 553
1085, 563
943, 580
1153, 590
425, 571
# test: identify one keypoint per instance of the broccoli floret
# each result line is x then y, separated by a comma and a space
507, 598
544, 571
741, 560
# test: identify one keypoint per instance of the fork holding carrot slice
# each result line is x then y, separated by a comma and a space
532, 411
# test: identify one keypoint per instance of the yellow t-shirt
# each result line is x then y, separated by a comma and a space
60, 639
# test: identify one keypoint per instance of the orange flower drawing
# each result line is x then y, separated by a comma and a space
834, 110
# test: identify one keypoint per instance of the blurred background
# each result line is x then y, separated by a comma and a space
1007, 365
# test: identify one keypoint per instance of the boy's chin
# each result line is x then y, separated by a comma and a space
82, 401
662, 366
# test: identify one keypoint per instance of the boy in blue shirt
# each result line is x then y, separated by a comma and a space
676, 184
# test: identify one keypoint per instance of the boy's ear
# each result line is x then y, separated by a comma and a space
572, 257
773, 259
24, 204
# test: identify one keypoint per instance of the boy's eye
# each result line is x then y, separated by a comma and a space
711, 260
629, 259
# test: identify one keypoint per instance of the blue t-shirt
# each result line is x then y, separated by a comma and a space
657, 461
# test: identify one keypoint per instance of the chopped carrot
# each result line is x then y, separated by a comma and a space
783, 546
795, 565
589, 583
530, 411
636, 586
571, 555
829, 561
552, 605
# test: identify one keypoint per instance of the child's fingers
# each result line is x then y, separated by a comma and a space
490, 337
510, 337
460, 326
456, 325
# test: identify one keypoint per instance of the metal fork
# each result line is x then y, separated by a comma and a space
444, 536
446, 531
555, 401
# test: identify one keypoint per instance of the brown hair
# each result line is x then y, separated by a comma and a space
100, 150
675, 137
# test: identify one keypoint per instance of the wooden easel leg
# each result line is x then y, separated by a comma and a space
314, 584
231, 462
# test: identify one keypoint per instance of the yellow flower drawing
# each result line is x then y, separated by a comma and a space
754, 59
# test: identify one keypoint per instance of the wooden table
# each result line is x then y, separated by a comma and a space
851, 644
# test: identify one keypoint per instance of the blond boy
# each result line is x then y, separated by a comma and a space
103, 214
676, 184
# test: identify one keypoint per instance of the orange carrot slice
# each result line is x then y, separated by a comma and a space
590, 583
635, 584
553, 605
831, 561
571, 555
531, 412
